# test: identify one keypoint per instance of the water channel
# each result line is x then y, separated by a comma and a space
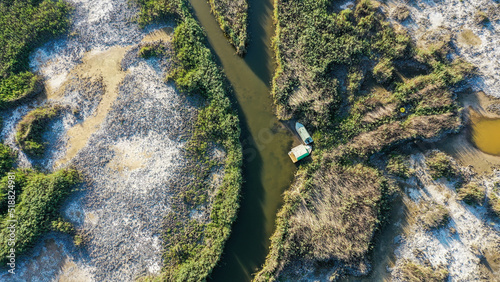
267, 170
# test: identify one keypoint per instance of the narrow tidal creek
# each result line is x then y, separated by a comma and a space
267, 170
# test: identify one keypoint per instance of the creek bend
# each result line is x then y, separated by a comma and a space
267, 169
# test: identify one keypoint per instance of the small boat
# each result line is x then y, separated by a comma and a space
299, 152
301, 130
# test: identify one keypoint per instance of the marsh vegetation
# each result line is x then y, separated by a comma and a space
194, 246
346, 74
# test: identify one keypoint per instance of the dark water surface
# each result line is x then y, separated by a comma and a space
267, 171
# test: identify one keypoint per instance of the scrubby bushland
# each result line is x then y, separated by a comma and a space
232, 18
25, 25
342, 75
472, 193
38, 200
413, 272
335, 220
31, 128
193, 247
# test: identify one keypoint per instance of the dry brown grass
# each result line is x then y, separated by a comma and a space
412, 272
426, 127
339, 219
400, 13
468, 37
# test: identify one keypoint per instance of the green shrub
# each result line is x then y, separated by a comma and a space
471, 193
78, 240
20, 177
26, 25
481, 18
398, 166
434, 216
62, 226
232, 18
157, 10
440, 165
7, 159
354, 79
18, 86
383, 71
494, 204
36, 207
31, 128
149, 51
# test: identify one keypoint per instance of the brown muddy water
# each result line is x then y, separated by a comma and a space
267, 171
485, 133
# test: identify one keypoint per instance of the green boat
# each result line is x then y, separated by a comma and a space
299, 152
301, 130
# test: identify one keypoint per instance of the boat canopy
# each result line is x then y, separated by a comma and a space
304, 135
299, 152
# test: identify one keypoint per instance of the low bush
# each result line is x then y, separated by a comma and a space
434, 216
232, 18
383, 71
440, 165
18, 86
494, 204
398, 165
472, 194
63, 226
411, 272
31, 128
19, 176
151, 50
7, 159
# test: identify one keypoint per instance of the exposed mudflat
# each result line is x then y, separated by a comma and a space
125, 129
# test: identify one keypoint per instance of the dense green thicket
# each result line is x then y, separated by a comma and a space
232, 18
25, 25
7, 156
193, 248
36, 207
345, 75
31, 128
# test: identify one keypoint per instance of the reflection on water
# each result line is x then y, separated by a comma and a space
485, 133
